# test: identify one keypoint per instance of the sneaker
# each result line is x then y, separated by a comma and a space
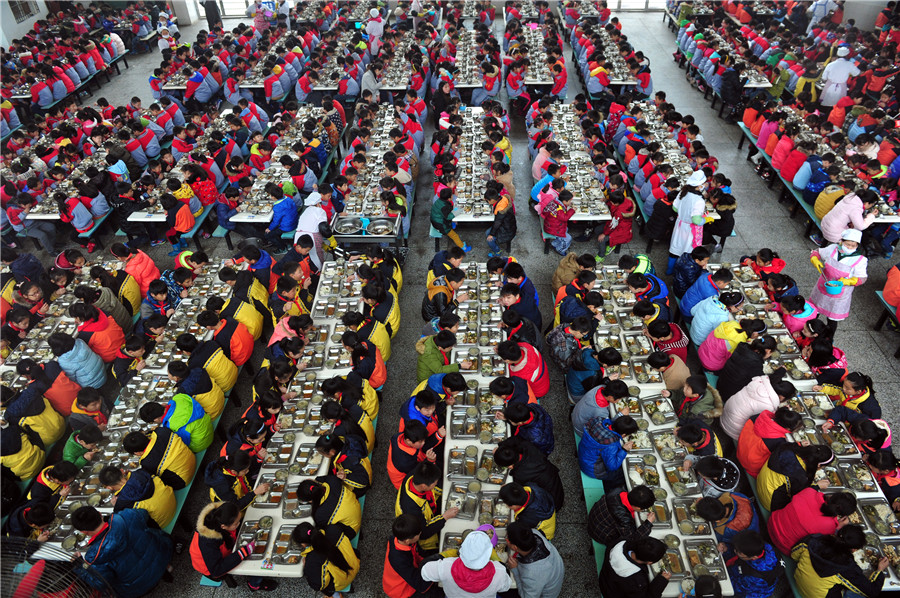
267, 585
817, 239
466, 247
205, 235
717, 248
599, 258
888, 254
91, 247
493, 254
156, 242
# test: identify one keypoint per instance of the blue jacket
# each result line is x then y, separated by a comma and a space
572, 307
284, 216
83, 366
27, 267
706, 315
685, 272
540, 185
585, 367
702, 288
131, 556
224, 214
600, 453
539, 430
757, 578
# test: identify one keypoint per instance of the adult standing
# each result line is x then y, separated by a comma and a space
375, 29
472, 574
844, 263
309, 223
690, 207
835, 77
213, 16
818, 11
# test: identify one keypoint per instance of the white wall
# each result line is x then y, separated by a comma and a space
864, 11
10, 30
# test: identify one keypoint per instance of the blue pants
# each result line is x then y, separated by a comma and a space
492, 243
561, 244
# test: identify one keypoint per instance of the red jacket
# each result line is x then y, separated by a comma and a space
792, 164
556, 218
800, 518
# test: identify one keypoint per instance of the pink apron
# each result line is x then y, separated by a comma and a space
834, 307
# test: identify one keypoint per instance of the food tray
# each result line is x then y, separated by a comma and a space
272, 498
840, 442
880, 517
833, 474
643, 443
639, 472
644, 374
463, 466
669, 447
687, 520
637, 344
308, 459
278, 453
314, 356
891, 550
609, 338
624, 298
858, 475
659, 409
704, 558
451, 542
291, 507
285, 551
663, 516
683, 482
251, 532
671, 562
496, 474
817, 403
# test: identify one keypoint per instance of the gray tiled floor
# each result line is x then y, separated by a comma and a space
761, 221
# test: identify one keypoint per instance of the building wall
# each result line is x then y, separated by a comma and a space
10, 30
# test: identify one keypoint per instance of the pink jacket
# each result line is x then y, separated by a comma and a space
756, 397
847, 213
802, 517
782, 150
795, 322
765, 131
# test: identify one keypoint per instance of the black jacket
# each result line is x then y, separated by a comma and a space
661, 222
743, 365
533, 468
504, 226
610, 521
623, 578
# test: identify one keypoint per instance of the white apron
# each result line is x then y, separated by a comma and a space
834, 307
683, 238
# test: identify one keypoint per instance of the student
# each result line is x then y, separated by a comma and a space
531, 422
651, 288
625, 570
755, 570
434, 356
536, 566
209, 356
716, 476
706, 285
184, 416
106, 301
668, 337
138, 264
529, 466
102, 334
31, 522
212, 547
164, 454
603, 450
230, 335
197, 383
825, 565
673, 370
81, 446
349, 460
407, 449
688, 268
762, 434
458, 575
533, 506
441, 295
419, 496
227, 478
721, 342
117, 544
762, 393
525, 362
503, 228
855, 393
612, 518
810, 512
698, 438
697, 399
139, 490
402, 575
88, 409
332, 502
53, 484
790, 469
81, 365
601, 401
21, 451
330, 560
29, 409
555, 216
123, 286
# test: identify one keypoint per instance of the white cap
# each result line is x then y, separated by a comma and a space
163, 15
851, 234
698, 178
313, 199
843, 51
475, 551
374, 13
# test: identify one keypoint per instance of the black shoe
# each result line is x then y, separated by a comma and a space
267, 585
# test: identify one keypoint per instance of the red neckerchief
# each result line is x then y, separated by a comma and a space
522, 425
427, 495
444, 357
687, 401
577, 340
245, 487
706, 439
623, 496
513, 331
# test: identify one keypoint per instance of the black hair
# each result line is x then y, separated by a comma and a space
513, 494
711, 509
625, 425
521, 535
641, 497
787, 418
135, 442
150, 411
86, 519
408, 526
646, 549
749, 543
838, 504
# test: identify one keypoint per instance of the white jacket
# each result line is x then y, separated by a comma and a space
753, 399
440, 571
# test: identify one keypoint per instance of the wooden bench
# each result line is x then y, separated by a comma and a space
98, 222
889, 312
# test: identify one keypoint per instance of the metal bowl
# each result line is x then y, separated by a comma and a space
348, 226
380, 227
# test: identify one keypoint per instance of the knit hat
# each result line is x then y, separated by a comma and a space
475, 551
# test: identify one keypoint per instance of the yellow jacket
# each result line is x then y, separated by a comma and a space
167, 455
213, 401
222, 370
379, 335
27, 462
48, 424
159, 503
409, 501
731, 333
246, 314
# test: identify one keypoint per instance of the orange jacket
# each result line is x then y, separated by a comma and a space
235, 340
892, 289
143, 270
184, 219
103, 336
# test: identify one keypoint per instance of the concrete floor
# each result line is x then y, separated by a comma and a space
761, 222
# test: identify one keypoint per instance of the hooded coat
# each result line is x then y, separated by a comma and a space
131, 556
684, 274
539, 512
600, 452
148, 492
611, 520
83, 366
212, 551
538, 430
622, 577
103, 336
822, 566
754, 398
432, 361
540, 572
705, 317
109, 304
142, 267
187, 418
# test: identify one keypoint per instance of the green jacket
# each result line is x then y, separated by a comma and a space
189, 421
74, 452
778, 85
431, 361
